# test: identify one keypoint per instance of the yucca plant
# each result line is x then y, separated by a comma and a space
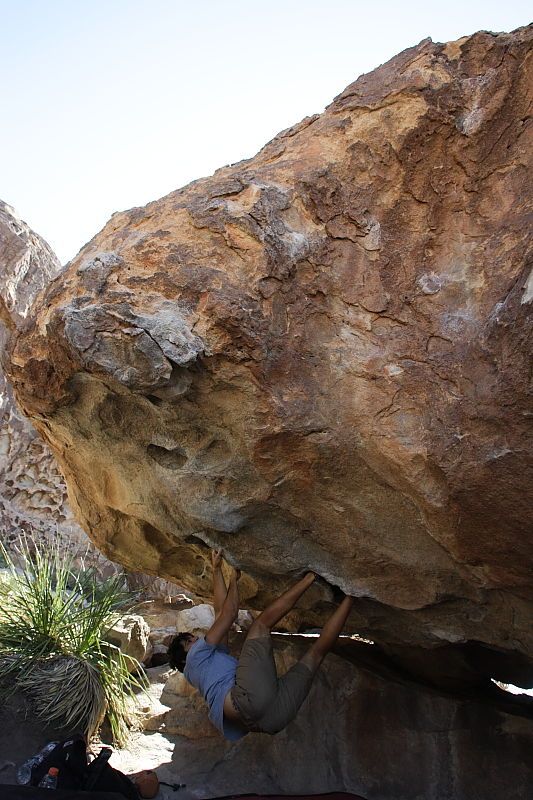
53, 620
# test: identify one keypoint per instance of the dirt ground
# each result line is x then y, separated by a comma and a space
21, 737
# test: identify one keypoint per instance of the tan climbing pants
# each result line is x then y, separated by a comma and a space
265, 702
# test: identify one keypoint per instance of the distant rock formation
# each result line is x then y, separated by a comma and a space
33, 496
317, 359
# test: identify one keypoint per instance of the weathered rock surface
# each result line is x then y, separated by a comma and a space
33, 495
28, 266
195, 620
317, 359
131, 633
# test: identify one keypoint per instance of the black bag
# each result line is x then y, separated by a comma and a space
70, 758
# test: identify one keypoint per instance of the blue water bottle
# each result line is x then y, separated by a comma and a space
50, 779
24, 772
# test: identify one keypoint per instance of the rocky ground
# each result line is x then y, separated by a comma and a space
363, 729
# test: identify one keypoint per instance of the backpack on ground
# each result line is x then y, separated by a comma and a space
70, 758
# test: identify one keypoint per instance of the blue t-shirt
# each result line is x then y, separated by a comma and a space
211, 670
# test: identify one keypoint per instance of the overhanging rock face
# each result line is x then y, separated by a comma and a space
317, 359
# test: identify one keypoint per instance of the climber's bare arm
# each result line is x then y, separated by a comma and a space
218, 631
219, 584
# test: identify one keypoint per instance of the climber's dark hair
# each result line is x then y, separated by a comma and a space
176, 651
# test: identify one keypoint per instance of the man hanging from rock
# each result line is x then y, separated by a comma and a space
247, 695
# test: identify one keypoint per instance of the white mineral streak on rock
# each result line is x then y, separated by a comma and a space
528, 289
430, 283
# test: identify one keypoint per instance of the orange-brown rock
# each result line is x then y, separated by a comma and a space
317, 359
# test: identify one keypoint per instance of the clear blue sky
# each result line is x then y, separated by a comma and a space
108, 104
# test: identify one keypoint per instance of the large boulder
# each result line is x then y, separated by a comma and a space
317, 359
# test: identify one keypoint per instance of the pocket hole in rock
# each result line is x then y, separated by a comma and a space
170, 458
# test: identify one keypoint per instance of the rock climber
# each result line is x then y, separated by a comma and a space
247, 695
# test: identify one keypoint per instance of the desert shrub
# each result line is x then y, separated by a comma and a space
53, 620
